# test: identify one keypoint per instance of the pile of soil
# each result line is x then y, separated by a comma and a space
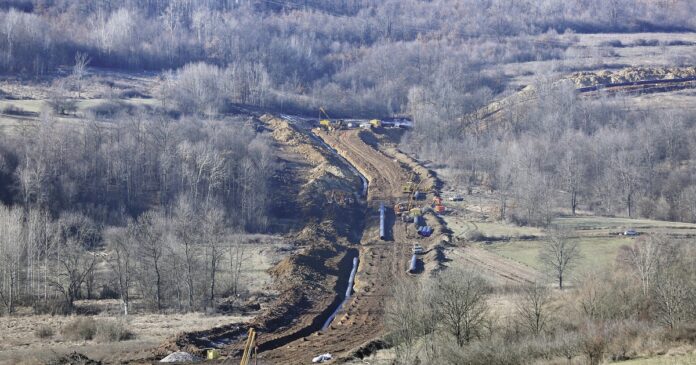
631, 74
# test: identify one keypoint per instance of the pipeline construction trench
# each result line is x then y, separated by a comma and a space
319, 309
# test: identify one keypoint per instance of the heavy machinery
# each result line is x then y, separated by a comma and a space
399, 208
375, 124
326, 122
409, 187
438, 207
249, 347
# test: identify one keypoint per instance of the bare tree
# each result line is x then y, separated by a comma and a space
187, 230
122, 262
148, 232
214, 235
408, 317
460, 302
534, 308
12, 245
559, 254
237, 256
79, 71
643, 257
73, 259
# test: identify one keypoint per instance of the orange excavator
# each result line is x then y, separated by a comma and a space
438, 207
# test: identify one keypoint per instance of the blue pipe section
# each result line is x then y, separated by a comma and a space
413, 266
382, 222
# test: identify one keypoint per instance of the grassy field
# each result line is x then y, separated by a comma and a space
19, 344
596, 251
685, 359
597, 237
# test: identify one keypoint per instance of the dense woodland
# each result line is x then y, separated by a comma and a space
166, 191
561, 151
355, 57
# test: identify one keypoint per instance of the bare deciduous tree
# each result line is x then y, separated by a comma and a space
460, 303
559, 254
534, 308
79, 71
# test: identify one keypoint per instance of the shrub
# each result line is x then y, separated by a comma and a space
113, 331
474, 235
80, 329
43, 332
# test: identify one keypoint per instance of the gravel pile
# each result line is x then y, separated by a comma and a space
181, 356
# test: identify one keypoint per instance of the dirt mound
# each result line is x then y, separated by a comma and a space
631, 74
74, 358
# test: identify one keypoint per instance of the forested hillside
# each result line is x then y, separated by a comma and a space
356, 57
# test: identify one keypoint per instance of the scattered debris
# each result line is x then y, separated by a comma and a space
181, 356
321, 358
74, 358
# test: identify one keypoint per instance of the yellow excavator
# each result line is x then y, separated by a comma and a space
409, 187
326, 122
249, 347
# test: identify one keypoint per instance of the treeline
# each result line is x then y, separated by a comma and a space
142, 204
112, 170
560, 153
643, 304
355, 57
187, 259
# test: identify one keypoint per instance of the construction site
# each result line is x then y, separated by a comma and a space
333, 292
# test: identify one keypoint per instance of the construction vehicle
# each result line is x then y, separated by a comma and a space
415, 212
399, 208
326, 122
376, 123
437, 200
249, 346
409, 187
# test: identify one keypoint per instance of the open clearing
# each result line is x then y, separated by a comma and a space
19, 345
597, 237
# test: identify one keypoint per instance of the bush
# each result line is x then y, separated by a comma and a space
43, 332
113, 331
474, 235
80, 329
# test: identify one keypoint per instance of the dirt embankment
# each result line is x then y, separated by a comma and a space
631, 80
630, 74
309, 280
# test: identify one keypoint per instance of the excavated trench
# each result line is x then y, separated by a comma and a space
343, 285
347, 268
